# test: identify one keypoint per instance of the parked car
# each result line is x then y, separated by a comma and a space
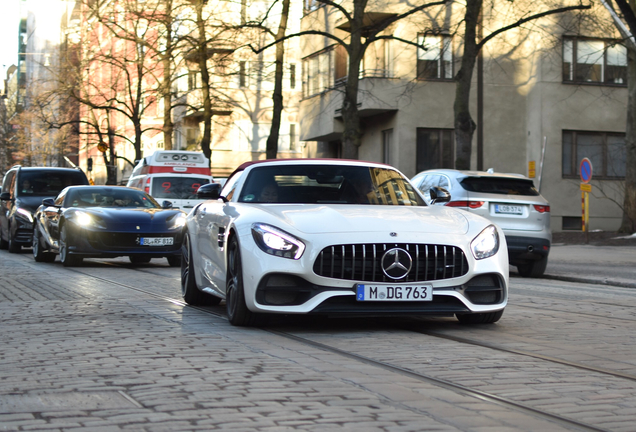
509, 200
338, 237
106, 222
24, 188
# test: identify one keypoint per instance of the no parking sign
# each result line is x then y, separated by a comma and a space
586, 170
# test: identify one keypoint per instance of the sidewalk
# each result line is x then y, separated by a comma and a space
608, 259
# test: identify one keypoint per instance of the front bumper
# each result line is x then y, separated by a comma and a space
110, 244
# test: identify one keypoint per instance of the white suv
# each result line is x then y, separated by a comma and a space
509, 200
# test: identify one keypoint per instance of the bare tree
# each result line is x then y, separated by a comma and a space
627, 10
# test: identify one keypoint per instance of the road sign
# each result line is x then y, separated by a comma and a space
586, 170
586, 187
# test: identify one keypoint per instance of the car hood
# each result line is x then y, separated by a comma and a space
314, 219
132, 218
30, 203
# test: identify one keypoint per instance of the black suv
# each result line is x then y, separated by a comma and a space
23, 189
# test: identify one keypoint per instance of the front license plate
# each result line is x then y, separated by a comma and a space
394, 292
508, 209
156, 241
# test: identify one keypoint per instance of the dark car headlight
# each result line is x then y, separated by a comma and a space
486, 244
277, 242
24, 215
177, 222
87, 220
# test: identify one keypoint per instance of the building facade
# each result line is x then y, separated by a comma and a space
545, 96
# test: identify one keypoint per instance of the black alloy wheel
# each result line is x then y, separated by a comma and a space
13, 246
480, 318
68, 260
189, 290
39, 255
237, 312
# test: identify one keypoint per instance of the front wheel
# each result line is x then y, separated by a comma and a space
39, 255
480, 318
189, 290
13, 246
68, 260
237, 312
533, 269
174, 260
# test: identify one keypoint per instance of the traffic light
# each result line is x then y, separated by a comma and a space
89, 164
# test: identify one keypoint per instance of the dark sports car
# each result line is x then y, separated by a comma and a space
106, 222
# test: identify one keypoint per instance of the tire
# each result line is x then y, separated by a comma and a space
480, 318
68, 260
3, 243
533, 269
13, 246
139, 259
174, 260
189, 290
38, 252
237, 312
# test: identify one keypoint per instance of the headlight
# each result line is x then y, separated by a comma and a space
86, 220
25, 214
486, 244
277, 242
177, 222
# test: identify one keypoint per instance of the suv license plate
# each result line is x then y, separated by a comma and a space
156, 241
508, 209
394, 292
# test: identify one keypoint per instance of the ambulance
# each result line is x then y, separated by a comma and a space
172, 175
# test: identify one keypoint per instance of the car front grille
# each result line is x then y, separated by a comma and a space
363, 262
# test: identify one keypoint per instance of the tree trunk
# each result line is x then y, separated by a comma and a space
352, 135
464, 124
202, 56
628, 224
272, 139
166, 84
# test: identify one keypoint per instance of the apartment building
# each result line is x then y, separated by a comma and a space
545, 95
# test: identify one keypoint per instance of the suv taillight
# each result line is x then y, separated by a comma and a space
469, 204
542, 208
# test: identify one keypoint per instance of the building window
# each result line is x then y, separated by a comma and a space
341, 63
387, 139
312, 5
434, 58
292, 76
193, 79
292, 137
594, 61
242, 74
317, 77
435, 149
605, 150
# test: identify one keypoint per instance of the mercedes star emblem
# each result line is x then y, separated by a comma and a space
396, 263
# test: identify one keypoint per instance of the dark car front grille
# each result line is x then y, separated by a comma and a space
363, 262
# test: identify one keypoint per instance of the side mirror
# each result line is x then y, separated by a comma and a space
5, 196
209, 191
166, 204
439, 195
48, 202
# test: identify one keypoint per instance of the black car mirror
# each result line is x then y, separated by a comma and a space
210, 191
439, 195
48, 202
166, 204
5, 196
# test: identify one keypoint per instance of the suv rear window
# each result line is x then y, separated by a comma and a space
499, 185
47, 182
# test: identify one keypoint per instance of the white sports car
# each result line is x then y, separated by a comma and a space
339, 237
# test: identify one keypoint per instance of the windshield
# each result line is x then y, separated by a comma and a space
109, 197
47, 183
177, 187
334, 184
